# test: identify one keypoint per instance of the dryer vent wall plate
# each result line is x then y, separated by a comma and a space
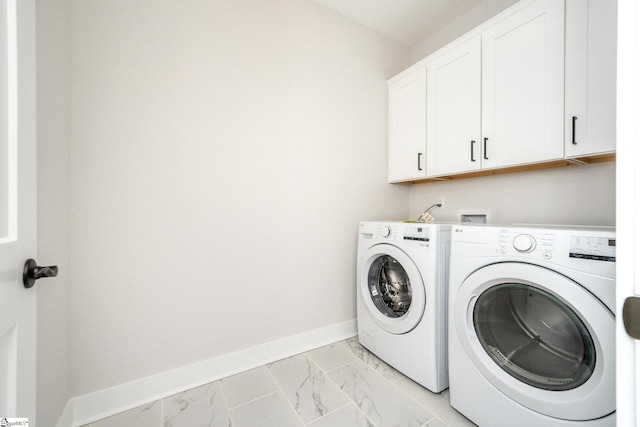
475, 216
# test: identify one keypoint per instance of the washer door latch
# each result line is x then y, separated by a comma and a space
631, 316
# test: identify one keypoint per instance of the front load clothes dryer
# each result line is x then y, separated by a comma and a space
532, 326
401, 297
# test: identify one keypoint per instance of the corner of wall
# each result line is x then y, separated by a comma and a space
458, 27
53, 199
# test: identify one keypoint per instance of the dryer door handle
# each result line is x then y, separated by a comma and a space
631, 316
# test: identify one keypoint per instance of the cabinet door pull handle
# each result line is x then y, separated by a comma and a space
485, 149
573, 130
419, 157
472, 159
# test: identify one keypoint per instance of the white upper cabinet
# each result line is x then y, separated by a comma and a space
523, 87
407, 125
590, 86
495, 98
453, 106
534, 85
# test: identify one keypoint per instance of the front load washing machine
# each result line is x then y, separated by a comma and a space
401, 297
532, 325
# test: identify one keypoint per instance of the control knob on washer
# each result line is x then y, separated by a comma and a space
386, 231
524, 243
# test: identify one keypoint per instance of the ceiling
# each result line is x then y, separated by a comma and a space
405, 21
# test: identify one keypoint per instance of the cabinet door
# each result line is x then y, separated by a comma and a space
523, 86
407, 126
453, 110
591, 77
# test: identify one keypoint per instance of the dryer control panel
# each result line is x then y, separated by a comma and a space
524, 242
547, 244
586, 249
592, 247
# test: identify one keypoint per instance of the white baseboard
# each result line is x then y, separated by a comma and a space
91, 407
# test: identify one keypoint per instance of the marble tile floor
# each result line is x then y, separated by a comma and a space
339, 385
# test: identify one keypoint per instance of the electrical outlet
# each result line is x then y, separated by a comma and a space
440, 201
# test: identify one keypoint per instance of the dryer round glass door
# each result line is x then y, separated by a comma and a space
539, 337
534, 336
392, 289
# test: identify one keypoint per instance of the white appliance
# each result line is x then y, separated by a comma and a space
532, 325
401, 297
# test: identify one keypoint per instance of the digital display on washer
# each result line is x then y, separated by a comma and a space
420, 234
594, 248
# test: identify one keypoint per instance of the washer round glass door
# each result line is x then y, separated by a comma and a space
392, 289
540, 338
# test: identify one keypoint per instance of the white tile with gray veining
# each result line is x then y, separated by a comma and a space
438, 404
372, 360
142, 416
338, 385
202, 406
436, 422
247, 386
268, 411
332, 356
311, 393
347, 416
385, 405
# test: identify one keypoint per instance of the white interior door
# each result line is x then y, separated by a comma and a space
17, 208
628, 207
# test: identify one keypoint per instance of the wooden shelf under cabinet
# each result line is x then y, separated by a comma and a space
578, 161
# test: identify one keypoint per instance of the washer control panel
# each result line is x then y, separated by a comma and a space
524, 243
420, 236
416, 233
385, 231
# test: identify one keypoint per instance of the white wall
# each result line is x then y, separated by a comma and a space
484, 11
52, 50
222, 155
573, 195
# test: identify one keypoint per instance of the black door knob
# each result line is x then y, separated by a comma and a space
33, 272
